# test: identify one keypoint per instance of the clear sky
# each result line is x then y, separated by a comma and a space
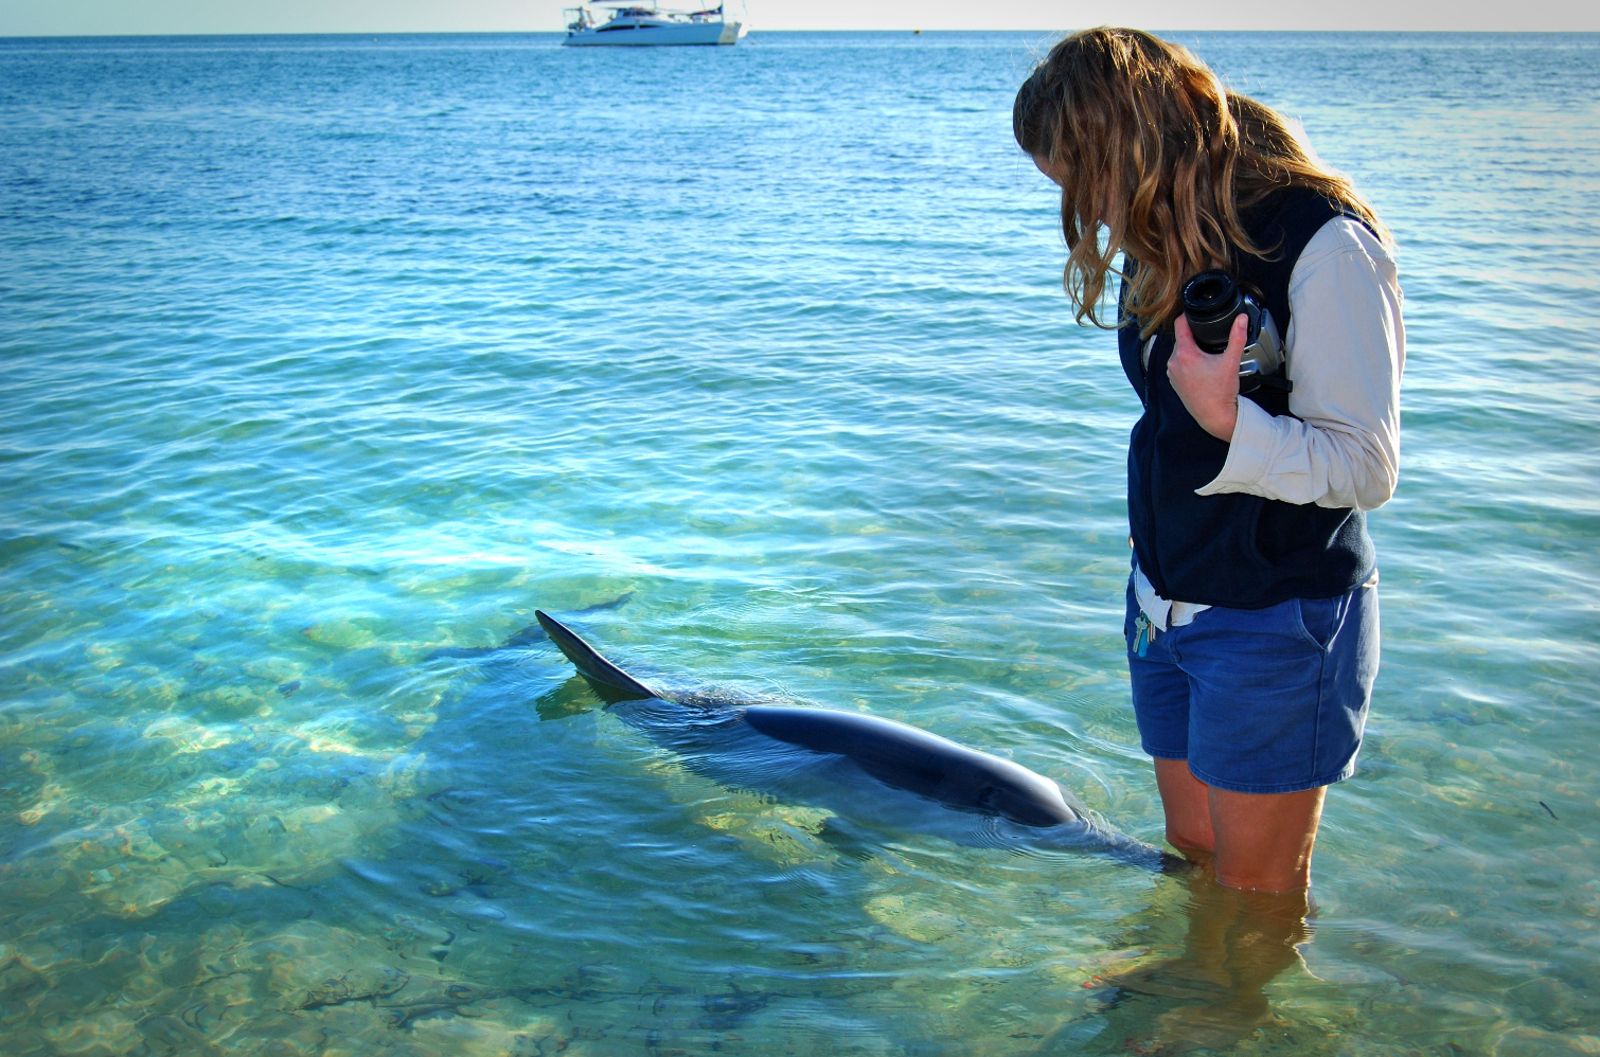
87, 17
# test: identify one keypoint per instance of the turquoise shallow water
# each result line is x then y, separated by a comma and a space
325, 353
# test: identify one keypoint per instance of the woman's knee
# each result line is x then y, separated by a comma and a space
1193, 843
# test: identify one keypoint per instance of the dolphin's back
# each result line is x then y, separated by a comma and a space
923, 763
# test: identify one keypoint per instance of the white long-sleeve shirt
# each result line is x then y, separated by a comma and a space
1345, 350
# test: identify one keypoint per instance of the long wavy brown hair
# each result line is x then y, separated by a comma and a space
1150, 147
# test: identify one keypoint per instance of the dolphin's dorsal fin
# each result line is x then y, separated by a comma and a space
609, 681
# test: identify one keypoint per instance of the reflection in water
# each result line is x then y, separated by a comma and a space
1207, 989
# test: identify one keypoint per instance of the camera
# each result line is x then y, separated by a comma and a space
1211, 301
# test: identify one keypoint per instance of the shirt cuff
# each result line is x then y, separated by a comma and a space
1248, 452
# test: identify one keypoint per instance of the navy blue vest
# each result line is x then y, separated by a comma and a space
1236, 550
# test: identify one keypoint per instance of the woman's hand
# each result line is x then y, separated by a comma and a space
1208, 383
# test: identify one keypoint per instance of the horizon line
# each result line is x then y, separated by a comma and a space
913, 30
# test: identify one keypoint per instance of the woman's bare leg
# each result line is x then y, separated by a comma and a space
1187, 803
1264, 840
1260, 842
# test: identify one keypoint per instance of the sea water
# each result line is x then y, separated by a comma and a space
328, 359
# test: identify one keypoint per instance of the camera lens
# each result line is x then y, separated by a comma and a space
1211, 300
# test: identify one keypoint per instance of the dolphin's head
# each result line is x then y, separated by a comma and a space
1031, 803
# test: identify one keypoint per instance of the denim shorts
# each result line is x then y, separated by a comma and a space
1267, 700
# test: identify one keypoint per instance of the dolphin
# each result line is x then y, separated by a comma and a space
819, 755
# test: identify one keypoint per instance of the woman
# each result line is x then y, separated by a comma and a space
1252, 607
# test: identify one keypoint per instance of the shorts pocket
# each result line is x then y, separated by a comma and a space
1131, 608
1321, 618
